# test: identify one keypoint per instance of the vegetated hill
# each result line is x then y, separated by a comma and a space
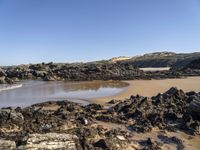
164, 59
121, 58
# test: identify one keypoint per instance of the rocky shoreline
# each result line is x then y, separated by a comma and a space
67, 125
104, 70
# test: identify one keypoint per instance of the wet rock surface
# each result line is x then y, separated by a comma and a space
73, 126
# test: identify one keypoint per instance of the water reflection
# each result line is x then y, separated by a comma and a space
93, 85
37, 91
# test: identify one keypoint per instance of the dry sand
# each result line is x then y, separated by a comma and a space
150, 88
153, 87
190, 142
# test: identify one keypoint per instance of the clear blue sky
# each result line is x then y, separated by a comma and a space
34, 31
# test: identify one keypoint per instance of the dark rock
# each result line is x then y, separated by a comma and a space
192, 93
149, 145
172, 140
49, 78
2, 73
171, 110
9, 81
83, 120
114, 101
46, 127
190, 125
85, 144
40, 73
195, 64
10, 115
194, 107
102, 144
91, 107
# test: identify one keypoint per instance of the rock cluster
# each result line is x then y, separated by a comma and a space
172, 109
74, 71
195, 64
105, 70
3, 77
63, 124
68, 127
191, 69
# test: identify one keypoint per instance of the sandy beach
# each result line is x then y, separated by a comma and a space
153, 87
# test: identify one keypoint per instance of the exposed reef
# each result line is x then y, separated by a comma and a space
67, 125
104, 70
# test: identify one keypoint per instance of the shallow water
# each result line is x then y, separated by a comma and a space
32, 92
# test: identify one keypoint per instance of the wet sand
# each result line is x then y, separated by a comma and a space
153, 87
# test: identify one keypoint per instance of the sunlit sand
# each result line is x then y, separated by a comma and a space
153, 87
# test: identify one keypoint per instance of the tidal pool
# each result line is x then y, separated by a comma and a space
31, 92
